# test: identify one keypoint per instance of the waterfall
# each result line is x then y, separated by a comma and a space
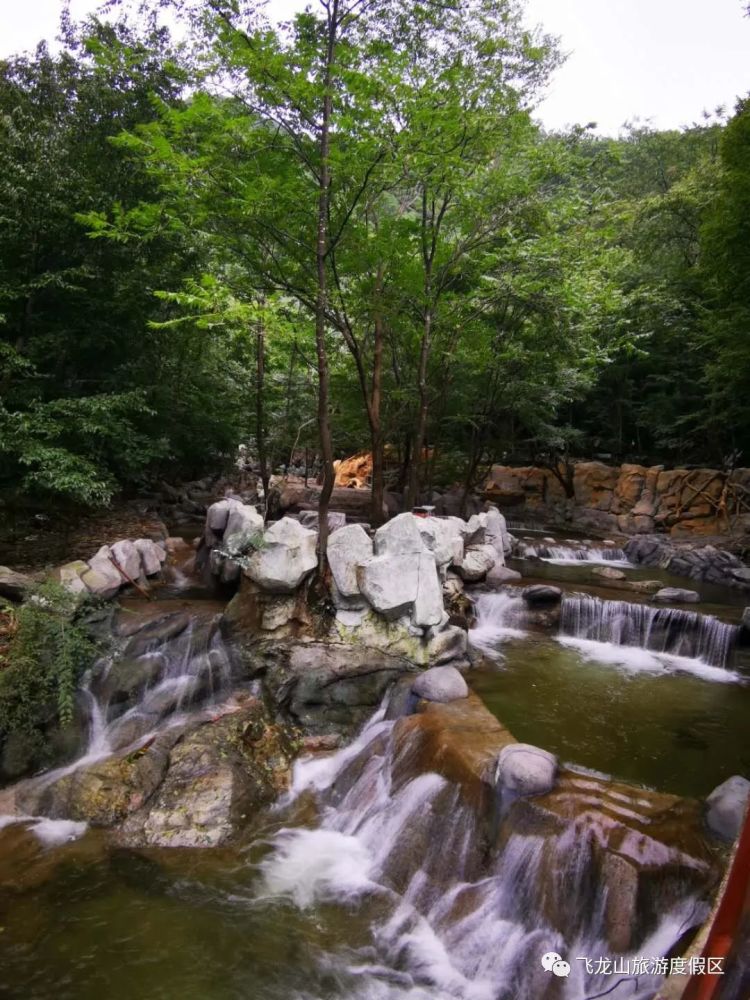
500, 615
567, 554
678, 633
452, 920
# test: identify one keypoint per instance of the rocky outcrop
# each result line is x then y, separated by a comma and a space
704, 563
112, 568
631, 499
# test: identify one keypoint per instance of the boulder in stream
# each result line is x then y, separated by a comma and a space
726, 807
285, 557
676, 595
523, 769
440, 684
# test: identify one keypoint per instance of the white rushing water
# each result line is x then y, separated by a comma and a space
498, 616
618, 631
569, 555
450, 925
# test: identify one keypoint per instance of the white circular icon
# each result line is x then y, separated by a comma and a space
561, 969
549, 960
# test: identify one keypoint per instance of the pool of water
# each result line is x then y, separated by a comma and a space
670, 723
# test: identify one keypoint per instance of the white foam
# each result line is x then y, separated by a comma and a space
308, 865
638, 660
53, 832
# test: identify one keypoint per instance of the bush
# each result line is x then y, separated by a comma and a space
49, 649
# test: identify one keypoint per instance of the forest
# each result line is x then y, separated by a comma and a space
350, 233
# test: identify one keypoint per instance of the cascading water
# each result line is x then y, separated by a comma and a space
455, 917
682, 636
568, 555
500, 615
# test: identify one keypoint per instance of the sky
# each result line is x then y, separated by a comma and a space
661, 61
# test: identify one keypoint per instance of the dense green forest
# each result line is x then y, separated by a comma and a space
350, 233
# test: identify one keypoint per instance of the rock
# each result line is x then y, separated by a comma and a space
286, 556
348, 547
244, 526
102, 578
13, 586
608, 573
496, 534
428, 605
71, 576
151, 555
525, 770
676, 595
442, 536
440, 684
127, 557
399, 537
726, 807
502, 574
390, 582
474, 530
477, 562
310, 519
447, 644
453, 585
218, 515
541, 594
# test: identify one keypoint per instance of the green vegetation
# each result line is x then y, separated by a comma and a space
49, 648
349, 232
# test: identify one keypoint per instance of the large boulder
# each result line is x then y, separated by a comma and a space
153, 556
399, 537
348, 548
477, 562
525, 770
70, 576
444, 539
428, 604
541, 595
244, 526
127, 557
102, 577
440, 684
13, 586
390, 582
502, 574
726, 807
496, 534
287, 554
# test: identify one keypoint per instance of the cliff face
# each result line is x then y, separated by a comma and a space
631, 499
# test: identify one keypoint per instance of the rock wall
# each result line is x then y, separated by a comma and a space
630, 499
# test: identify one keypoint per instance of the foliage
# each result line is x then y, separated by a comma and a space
49, 649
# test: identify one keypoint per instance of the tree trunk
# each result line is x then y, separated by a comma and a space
324, 423
420, 427
373, 410
260, 430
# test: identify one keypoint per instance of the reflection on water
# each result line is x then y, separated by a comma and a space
612, 708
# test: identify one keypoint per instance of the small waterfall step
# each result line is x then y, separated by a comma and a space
662, 630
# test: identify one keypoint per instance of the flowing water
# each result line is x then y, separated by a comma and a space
675, 720
388, 894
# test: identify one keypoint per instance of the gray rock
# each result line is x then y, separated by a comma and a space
477, 562
502, 574
442, 537
541, 594
447, 644
726, 807
13, 585
218, 515
128, 557
474, 530
71, 576
525, 770
677, 595
286, 556
428, 604
151, 555
440, 684
348, 547
608, 573
102, 578
496, 534
399, 537
390, 582
244, 526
